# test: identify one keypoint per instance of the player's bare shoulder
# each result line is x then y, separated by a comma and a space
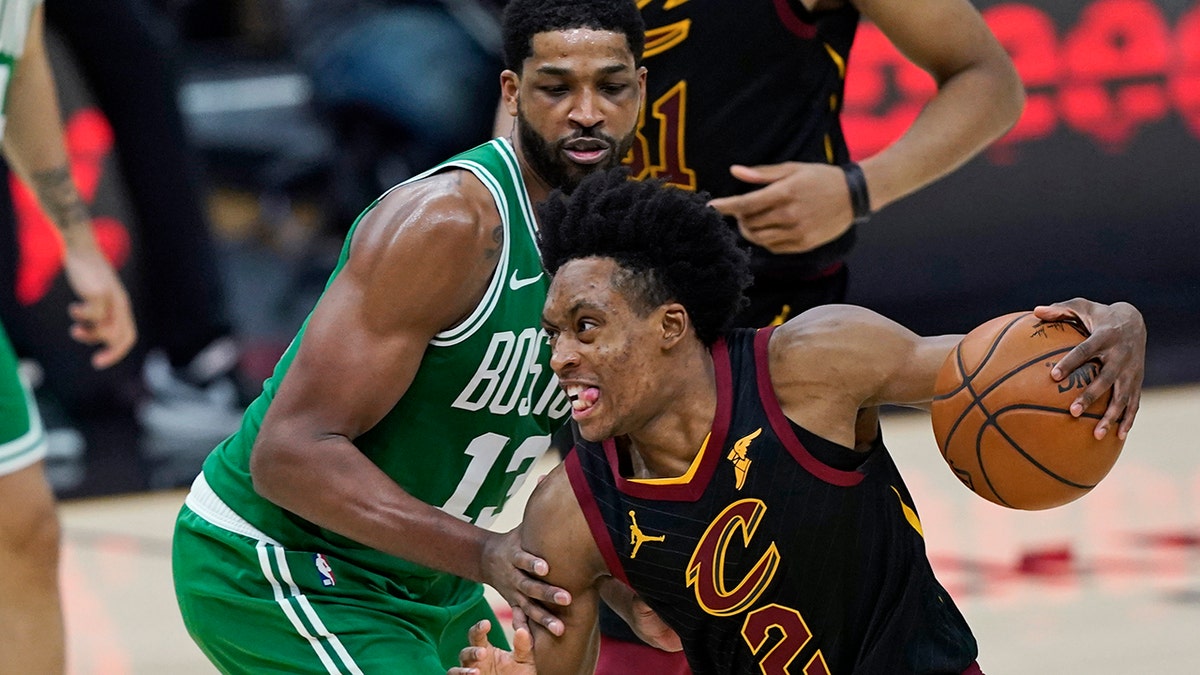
830, 360
440, 236
452, 206
824, 336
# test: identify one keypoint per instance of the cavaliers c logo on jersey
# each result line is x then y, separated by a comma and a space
706, 569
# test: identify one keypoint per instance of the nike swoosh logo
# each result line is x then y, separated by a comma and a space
517, 284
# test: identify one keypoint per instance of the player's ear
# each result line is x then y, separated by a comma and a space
674, 322
510, 86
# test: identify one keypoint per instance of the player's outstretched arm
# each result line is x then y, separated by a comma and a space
832, 361
1118, 342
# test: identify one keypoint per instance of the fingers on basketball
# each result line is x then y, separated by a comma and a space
1004, 426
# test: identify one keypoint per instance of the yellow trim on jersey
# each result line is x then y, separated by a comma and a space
663, 168
678, 480
669, 4
837, 60
662, 38
909, 514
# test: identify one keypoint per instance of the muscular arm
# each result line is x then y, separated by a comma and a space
419, 262
949, 40
554, 528
832, 361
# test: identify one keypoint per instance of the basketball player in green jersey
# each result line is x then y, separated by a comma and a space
340, 530
31, 626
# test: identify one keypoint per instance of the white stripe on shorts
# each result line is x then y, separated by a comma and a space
318, 641
29, 447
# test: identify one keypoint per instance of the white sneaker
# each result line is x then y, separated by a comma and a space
181, 416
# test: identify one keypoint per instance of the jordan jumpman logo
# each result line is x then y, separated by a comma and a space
637, 537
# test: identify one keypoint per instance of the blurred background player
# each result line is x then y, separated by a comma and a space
402, 84
31, 627
150, 422
126, 52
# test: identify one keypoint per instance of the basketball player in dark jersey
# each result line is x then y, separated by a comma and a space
744, 101
718, 473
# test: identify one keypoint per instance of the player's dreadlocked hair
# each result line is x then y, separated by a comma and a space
525, 18
669, 244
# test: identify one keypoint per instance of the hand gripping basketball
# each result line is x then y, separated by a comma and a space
1005, 427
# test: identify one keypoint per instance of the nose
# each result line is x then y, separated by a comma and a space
586, 111
563, 355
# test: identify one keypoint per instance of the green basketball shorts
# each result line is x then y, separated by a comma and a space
255, 607
22, 440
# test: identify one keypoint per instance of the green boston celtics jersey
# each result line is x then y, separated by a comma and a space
478, 414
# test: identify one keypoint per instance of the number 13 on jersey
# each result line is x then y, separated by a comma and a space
484, 451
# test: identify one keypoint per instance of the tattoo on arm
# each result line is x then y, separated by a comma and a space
498, 239
57, 194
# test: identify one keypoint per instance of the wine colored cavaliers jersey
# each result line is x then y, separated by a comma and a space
778, 101
777, 551
478, 414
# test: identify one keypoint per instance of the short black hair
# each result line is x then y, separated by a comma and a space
671, 246
525, 18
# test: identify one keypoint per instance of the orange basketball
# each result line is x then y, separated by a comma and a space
1005, 427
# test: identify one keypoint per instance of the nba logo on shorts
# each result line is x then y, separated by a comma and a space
324, 569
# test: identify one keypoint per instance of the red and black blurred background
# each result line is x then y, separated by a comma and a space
1095, 192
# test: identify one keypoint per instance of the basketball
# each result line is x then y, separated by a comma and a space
1005, 427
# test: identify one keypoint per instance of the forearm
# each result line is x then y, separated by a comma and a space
578, 649
34, 145
351, 496
952, 128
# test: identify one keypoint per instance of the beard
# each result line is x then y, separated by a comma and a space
549, 161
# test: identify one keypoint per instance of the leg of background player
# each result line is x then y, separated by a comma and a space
31, 625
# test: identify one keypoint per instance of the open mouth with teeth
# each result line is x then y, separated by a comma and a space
582, 399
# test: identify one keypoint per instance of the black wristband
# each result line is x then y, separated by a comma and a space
860, 201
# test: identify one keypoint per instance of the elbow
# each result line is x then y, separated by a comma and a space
1002, 87
269, 462
1011, 97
